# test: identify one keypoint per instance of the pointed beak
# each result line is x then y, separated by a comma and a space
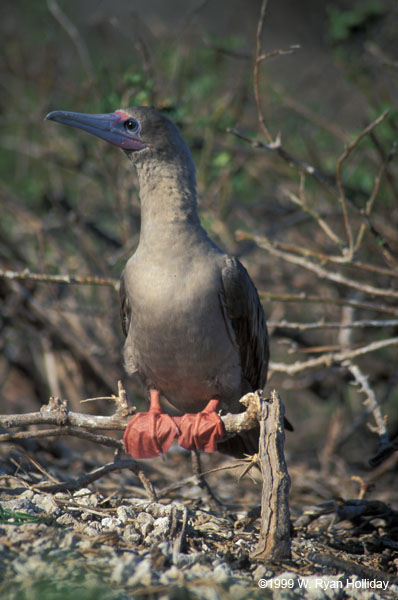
109, 127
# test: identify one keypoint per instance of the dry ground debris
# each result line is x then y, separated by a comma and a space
108, 541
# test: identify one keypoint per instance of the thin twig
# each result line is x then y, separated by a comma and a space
373, 196
304, 167
202, 482
316, 119
259, 58
331, 358
56, 413
278, 52
346, 260
85, 480
63, 431
322, 273
300, 201
260, 27
378, 53
286, 156
321, 324
73, 33
370, 401
303, 297
66, 278
31, 307
342, 199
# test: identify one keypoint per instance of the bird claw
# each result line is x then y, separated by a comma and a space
150, 434
201, 431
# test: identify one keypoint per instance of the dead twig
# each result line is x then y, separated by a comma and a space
342, 199
259, 58
304, 167
301, 165
303, 297
347, 261
300, 201
66, 278
373, 196
56, 413
321, 272
260, 27
85, 480
274, 540
200, 480
321, 324
74, 35
63, 431
331, 358
370, 402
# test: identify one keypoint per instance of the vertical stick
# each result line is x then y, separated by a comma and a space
274, 540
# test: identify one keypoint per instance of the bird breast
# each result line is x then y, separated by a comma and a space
179, 341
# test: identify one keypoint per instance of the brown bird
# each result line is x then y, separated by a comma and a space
194, 325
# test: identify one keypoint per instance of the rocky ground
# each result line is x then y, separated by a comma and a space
108, 541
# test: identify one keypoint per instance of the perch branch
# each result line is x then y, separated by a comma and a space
73, 423
55, 413
63, 431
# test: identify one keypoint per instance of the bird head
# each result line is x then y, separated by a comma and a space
139, 130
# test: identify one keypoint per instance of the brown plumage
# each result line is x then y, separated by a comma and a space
194, 325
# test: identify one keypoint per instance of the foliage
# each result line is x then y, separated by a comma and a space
343, 23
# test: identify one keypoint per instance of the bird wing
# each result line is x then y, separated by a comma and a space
243, 309
125, 309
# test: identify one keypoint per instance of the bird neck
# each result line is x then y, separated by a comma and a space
168, 198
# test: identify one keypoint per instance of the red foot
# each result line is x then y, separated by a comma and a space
202, 430
150, 434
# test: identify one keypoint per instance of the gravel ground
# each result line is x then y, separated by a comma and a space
86, 545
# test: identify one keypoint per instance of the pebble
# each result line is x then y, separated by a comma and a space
239, 592
47, 503
142, 575
144, 523
131, 535
222, 573
111, 523
122, 514
85, 497
66, 520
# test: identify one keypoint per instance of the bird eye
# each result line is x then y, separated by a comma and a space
131, 125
